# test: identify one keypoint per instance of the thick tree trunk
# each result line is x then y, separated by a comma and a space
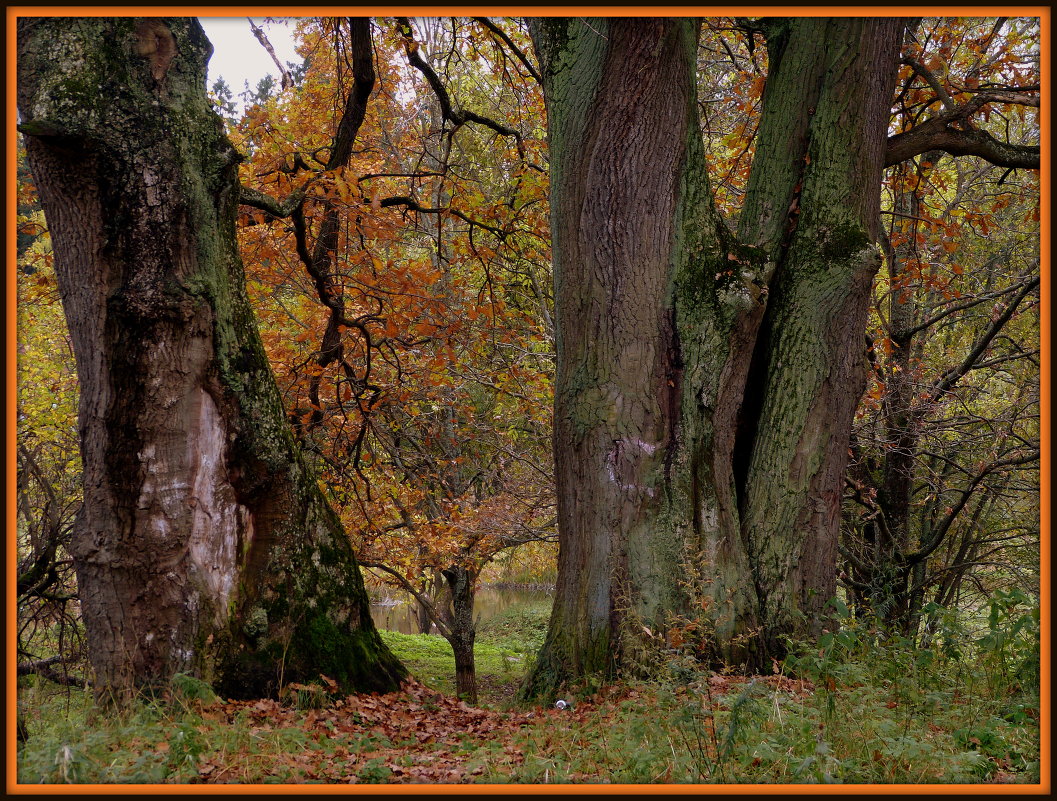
620, 113
820, 156
705, 386
204, 544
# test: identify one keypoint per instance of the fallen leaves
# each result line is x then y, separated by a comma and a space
414, 735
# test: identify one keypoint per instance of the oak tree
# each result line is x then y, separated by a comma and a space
707, 375
204, 544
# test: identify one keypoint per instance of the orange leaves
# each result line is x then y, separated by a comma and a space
346, 190
423, 328
457, 371
414, 735
756, 88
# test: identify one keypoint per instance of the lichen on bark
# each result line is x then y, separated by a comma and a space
757, 331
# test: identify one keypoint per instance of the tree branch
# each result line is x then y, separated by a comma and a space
984, 298
448, 110
941, 531
43, 667
497, 31
938, 134
930, 78
951, 377
422, 598
249, 196
262, 37
414, 205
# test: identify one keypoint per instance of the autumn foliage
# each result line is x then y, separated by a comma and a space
432, 427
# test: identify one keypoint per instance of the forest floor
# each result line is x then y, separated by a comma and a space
879, 717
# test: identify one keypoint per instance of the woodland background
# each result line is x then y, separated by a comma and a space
431, 430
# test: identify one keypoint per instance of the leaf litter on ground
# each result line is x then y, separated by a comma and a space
413, 735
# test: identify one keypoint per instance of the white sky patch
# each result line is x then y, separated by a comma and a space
238, 56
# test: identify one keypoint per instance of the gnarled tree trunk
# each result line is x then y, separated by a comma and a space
705, 383
204, 544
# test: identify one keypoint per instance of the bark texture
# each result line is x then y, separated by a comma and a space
705, 381
811, 364
204, 545
620, 108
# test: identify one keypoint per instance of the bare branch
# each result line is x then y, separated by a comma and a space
414, 205
951, 377
933, 82
262, 37
940, 531
421, 597
448, 110
497, 31
984, 298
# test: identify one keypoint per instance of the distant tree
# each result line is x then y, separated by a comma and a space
224, 99
261, 93
419, 378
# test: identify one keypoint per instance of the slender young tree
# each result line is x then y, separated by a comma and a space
204, 544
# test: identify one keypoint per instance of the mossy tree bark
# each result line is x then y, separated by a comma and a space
827, 104
705, 381
620, 107
204, 544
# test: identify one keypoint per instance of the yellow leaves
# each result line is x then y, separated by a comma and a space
30, 226
343, 187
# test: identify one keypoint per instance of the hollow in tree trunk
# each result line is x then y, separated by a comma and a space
204, 544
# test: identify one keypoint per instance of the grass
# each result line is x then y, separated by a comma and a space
849, 709
504, 648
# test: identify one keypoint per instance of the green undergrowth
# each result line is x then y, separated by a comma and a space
851, 708
854, 707
752, 731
